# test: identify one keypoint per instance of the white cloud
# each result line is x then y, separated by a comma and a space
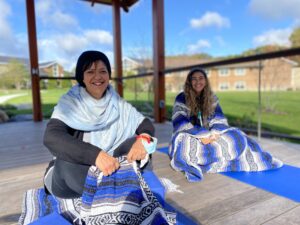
274, 36
11, 44
210, 19
140, 52
196, 48
99, 36
64, 45
69, 43
276, 9
50, 15
63, 20
65, 42
43, 7
5, 29
65, 48
5, 9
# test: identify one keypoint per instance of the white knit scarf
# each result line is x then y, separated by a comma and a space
109, 121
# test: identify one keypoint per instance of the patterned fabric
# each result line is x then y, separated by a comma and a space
232, 151
108, 121
122, 198
37, 204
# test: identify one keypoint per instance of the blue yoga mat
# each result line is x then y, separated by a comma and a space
158, 189
163, 150
51, 219
284, 181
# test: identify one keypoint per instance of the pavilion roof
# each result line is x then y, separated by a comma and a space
125, 4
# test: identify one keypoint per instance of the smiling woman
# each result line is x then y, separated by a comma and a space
97, 136
96, 109
96, 79
93, 72
203, 142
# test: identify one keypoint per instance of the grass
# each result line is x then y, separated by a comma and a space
281, 110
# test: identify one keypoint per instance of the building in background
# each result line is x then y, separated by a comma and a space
49, 69
276, 74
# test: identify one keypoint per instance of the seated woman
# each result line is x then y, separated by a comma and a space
93, 132
202, 140
91, 125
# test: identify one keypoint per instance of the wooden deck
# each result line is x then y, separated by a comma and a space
215, 200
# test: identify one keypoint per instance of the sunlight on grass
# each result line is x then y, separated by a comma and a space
240, 107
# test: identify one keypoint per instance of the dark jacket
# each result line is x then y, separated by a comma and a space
67, 144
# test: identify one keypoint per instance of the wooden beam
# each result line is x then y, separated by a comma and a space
34, 63
158, 60
117, 45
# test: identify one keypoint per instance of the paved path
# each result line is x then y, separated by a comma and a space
4, 98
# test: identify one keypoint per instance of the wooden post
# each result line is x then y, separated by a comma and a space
34, 63
117, 45
158, 60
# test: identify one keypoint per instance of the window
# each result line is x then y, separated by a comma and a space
223, 72
239, 71
55, 70
240, 85
223, 86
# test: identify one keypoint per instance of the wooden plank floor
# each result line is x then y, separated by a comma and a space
215, 200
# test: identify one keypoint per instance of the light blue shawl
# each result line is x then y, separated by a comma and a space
108, 121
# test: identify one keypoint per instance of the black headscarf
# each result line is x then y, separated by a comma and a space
85, 60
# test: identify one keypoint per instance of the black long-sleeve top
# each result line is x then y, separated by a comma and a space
67, 144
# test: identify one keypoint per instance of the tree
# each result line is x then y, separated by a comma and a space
295, 37
133, 85
263, 49
295, 41
16, 75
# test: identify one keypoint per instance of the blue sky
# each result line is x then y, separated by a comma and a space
217, 27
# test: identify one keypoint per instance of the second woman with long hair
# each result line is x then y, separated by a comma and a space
202, 140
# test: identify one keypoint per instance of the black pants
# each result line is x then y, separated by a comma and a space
68, 178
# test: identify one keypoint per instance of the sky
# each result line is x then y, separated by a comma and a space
65, 28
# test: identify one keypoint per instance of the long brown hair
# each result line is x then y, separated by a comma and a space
199, 102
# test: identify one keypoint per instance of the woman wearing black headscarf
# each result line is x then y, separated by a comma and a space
92, 125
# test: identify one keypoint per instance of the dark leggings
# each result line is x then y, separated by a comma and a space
68, 178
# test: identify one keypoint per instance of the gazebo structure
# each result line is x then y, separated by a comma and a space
159, 70
158, 50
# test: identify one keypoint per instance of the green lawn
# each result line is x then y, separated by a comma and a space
240, 107
284, 116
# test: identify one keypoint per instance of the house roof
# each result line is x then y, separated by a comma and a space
7, 59
47, 64
292, 62
25, 61
255, 64
173, 62
181, 61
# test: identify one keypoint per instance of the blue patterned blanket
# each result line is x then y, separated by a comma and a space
233, 150
122, 198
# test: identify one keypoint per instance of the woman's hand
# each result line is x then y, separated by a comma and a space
210, 139
137, 151
206, 141
106, 163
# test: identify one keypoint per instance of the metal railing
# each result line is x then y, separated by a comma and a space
221, 62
